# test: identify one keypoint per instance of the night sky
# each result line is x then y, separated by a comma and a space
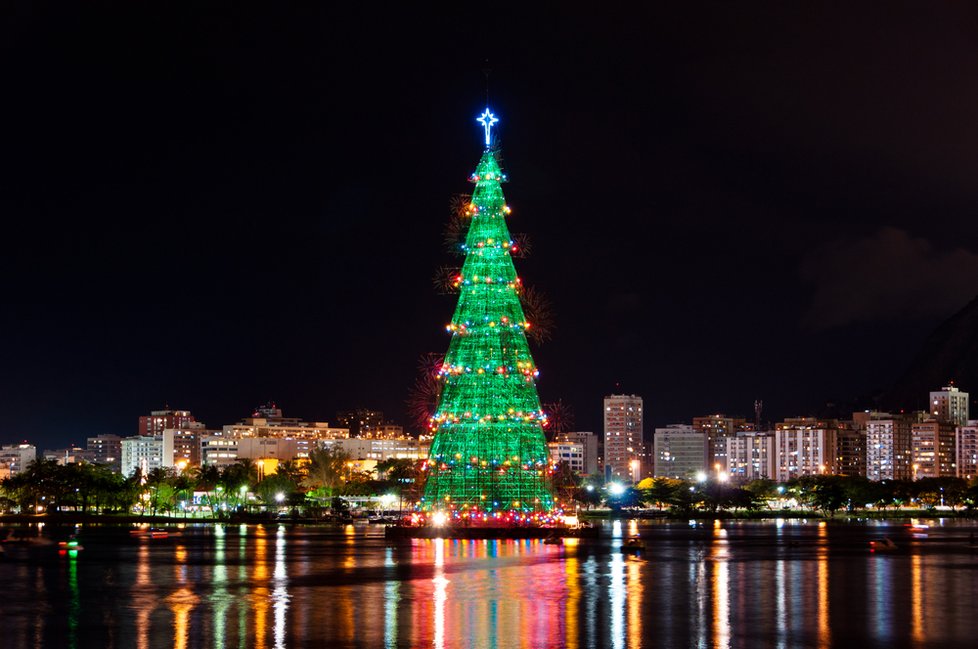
213, 207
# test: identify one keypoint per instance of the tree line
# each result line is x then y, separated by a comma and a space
44, 486
823, 493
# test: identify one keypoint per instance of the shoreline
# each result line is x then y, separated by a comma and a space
70, 518
781, 514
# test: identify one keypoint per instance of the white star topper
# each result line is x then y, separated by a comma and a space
487, 119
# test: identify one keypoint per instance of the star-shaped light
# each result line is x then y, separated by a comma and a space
487, 119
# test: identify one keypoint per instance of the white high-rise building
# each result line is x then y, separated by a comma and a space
589, 442
181, 446
888, 447
16, 457
570, 452
950, 405
623, 443
145, 453
750, 456
805, 446
966, 450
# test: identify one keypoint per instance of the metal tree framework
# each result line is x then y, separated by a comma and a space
489, 458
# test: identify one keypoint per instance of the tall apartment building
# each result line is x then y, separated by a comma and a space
16, 457
141, 452
888, 446
950, 405
570, 452
966, 450
106, 449
360, 421
623, 441
805, 446
386, 431
589, 443
719, 427
181, 446
750, 456
159, 420
932, 449
219, 450
679, 451
852, 450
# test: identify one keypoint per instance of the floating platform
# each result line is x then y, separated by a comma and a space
488, 532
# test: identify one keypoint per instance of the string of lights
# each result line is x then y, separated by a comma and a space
489, 458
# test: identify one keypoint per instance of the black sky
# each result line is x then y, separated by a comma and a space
214, 206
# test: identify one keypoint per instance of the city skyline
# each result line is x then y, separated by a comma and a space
221, 224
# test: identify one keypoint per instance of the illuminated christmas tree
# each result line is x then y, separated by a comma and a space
489, 457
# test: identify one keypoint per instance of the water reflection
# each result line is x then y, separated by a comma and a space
822, 558
143, 598
720, 588
392, 598
220, 600
259, 589
634, 599
712, 585
74, 605
440, 594
916, 601
617, 600
280, 594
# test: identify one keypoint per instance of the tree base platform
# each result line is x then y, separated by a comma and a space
396, 532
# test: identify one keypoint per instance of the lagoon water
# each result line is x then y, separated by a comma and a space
702, 584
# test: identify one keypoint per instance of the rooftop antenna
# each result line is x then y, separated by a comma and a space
487, 119
758, 407
486, 70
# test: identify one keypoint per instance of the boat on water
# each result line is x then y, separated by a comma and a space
383, 520
152, 533
885, 544
633, 545
71, 545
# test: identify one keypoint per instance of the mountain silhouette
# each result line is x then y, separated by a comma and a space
948, 356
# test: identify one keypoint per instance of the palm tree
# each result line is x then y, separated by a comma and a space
327, 468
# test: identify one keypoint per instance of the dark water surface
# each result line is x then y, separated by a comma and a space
736, 584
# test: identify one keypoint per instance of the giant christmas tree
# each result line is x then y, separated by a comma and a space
489, 458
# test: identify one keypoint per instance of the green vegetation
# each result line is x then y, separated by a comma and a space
307, 488
824, 494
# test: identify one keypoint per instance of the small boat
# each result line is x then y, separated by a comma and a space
149, 533
553, 540
633, 545
885, 544
69, 545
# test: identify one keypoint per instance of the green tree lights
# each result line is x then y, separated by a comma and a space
489, 458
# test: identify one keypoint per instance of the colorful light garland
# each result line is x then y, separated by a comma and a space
489, 459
